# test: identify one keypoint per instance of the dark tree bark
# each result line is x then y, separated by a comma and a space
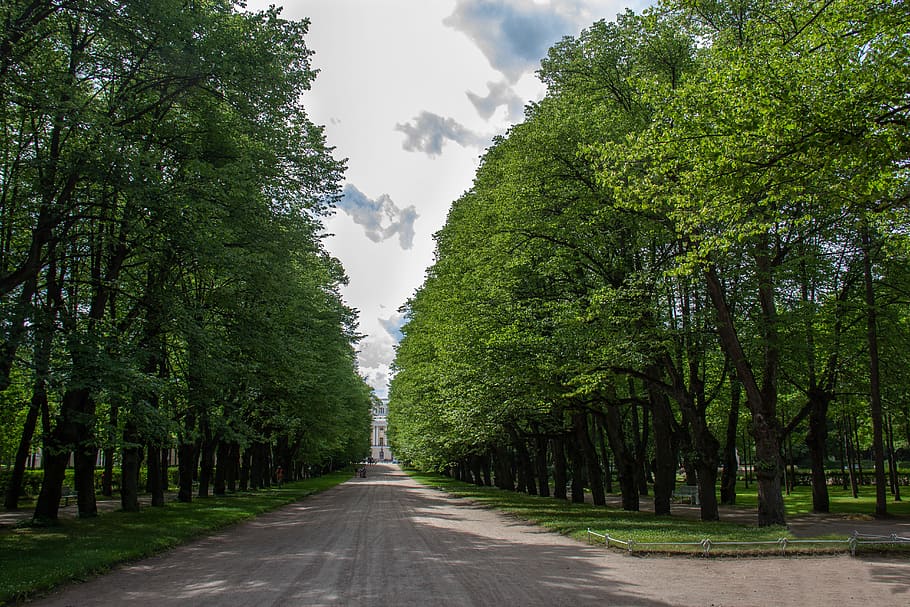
589, 454
560, 477
577, 462
730, 464
875, 396
761, 399
37, 404
540, 459
233, 470
186, 460
129, 472
892, 460
155, 474
525, 468
223, 463
207, 458
624, 458
664, 449
816, 441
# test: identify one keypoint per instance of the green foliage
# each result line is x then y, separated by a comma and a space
688, 204
162, 274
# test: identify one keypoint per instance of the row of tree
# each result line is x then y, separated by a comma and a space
701, 229
162, 280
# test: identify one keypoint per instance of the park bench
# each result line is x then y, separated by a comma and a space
688, 493
68, 494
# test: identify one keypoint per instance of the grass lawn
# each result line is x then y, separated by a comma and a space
35, 559
842, 501
643, 527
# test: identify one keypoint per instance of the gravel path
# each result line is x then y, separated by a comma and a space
387, 541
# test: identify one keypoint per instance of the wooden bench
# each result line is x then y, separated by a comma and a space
688, 493
68, 494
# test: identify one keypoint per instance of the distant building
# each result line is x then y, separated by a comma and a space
379, 444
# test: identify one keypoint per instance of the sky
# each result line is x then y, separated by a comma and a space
411, 93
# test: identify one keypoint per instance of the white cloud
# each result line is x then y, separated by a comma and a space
381, 218
428, 132
513, 35
498, 94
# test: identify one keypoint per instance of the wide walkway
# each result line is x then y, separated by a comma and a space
384, 541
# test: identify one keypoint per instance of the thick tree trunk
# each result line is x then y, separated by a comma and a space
664, 452
48, 505
84, 479
761, 400
624, 458
816, 441
154, 483
577, 462
207, 460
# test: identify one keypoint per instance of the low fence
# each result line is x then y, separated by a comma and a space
850, 544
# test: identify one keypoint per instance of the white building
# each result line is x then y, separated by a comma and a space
379, 444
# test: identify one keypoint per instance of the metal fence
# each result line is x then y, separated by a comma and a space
851, 543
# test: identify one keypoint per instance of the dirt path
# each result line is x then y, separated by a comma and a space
386, 541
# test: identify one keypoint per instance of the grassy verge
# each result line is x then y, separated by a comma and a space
35, 559
799, 501
641, 527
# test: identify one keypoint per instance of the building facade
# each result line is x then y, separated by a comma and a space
379, 444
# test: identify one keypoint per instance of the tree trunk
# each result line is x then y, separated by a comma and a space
761, 400
129, 471
540, 458
730, 464
38, 403
245, 465
207, 457
816, 441
525, 469
664, 451
233, 470
186, 460
154, 476
107, 477
592, 466
224, 462
560, 478
624, 458
875, 397
892, 460
638, 443
577, 462
851, 455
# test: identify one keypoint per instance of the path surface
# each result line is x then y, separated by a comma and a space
387, 541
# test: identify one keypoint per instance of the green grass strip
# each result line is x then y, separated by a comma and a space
36, 559
641, 527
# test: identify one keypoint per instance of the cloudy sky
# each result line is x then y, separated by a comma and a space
411, 92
